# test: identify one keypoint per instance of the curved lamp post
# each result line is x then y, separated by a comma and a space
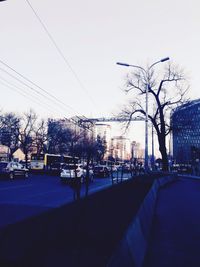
146, 72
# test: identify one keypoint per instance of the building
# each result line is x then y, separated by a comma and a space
19, 155
136, 151
185, 122
4, 153
121, 148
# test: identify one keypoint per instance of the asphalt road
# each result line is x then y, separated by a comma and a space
21, 198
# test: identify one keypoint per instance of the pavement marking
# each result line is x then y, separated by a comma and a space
14, 187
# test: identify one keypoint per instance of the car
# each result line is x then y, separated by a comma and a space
55, 168
70, 171
113, 168
126, 168
91, 173
101, 171
13, 169
25, 164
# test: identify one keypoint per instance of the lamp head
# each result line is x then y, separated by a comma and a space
123, 64
164, 59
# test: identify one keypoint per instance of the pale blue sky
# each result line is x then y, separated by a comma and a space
93, 36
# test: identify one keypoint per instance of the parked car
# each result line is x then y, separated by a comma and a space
126, 168
56, 168
23, 163
91, 173
70, 171
182, 168
101, 171
114, 168
13, 169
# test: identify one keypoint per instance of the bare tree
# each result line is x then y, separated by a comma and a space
27, 132
41, 137
88, 149
166, 92
9, 127
101, 147
59, 137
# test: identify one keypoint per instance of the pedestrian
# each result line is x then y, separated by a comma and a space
77, 188
197, 167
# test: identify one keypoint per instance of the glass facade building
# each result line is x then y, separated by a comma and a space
185, 122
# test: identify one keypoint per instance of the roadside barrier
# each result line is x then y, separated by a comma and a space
132, 249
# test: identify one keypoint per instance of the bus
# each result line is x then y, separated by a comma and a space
50, 161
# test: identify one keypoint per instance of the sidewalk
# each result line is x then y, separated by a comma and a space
175, 236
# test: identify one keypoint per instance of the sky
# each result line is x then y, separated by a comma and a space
92, 36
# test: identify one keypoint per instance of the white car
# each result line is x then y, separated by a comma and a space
13, 169
70, 171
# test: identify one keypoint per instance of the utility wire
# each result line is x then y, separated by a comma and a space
17, 89
43, 90
49, 97
59, 51
28, 80
33, 89
23, 92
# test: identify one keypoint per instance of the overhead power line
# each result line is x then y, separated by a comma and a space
23, 92
47, 94
59, 51
32, 98
33, 89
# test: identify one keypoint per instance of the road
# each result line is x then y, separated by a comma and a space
21, 198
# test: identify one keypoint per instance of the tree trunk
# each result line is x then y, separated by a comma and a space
87, 178
163, 151
162, 139
26, 159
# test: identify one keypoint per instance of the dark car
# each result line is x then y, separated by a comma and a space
126, 168
13, 169
101, 171
25, 164
55, 166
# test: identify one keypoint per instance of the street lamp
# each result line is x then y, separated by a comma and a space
146, 72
